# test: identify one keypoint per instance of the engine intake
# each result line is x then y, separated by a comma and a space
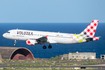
31, 42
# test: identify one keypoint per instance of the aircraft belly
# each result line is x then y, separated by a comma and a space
63, 40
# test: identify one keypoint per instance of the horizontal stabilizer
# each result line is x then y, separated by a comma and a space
89, 39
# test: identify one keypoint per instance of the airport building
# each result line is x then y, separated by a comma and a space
77, 55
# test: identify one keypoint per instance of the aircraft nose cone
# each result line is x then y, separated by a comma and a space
4, 35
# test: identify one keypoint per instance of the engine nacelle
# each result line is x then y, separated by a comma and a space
31, 42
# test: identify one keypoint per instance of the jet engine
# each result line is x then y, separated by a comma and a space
31, 42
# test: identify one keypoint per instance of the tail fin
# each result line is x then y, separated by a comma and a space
90, 30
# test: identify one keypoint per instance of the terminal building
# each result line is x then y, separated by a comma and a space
77, 55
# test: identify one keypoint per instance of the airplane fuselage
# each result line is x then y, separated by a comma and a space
54, 37
41, 37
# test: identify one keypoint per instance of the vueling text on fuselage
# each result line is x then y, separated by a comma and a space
24, 33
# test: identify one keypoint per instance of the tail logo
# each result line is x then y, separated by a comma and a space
91, 29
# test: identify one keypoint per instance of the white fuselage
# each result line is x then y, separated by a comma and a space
53, 37
42, 37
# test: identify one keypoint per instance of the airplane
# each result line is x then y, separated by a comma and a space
42, 37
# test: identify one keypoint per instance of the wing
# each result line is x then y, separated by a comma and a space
45, 39
40, 40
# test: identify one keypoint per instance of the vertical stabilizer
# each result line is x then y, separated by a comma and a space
90, 30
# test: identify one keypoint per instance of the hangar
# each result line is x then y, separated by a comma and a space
15, 53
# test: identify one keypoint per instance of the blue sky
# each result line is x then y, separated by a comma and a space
51, 11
